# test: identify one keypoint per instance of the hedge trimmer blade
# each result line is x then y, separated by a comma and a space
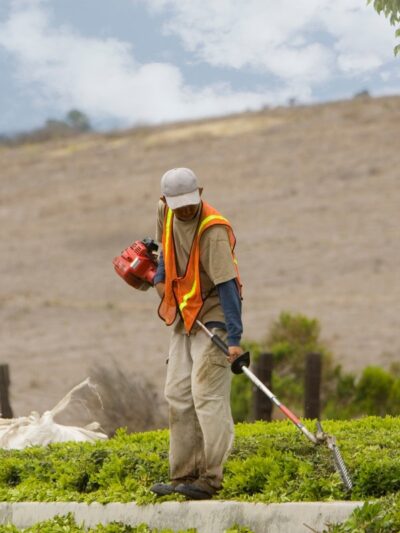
337, 456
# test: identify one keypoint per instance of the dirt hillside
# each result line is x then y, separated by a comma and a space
314, 197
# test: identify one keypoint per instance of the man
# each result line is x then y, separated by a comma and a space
197, 278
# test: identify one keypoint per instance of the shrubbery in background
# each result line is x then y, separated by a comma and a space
343, 395
75, 123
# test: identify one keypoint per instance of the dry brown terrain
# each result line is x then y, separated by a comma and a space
313, 194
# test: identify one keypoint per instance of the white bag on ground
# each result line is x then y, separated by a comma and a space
36, 430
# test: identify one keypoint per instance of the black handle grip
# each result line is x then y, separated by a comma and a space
239, 362
220, 343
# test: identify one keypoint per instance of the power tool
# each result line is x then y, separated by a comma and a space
137, 264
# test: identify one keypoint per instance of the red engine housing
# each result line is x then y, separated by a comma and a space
137, 264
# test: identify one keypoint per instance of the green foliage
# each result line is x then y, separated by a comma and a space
78, 120
380, 516
270, 462
394, 398
391, 10
290, 339
242, 390
376, 392
75, 123
341, 402
241, 398
67, 524
373, 390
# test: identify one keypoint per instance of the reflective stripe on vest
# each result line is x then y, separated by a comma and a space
168, 232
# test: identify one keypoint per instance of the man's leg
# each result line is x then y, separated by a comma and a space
186, 442
211, 383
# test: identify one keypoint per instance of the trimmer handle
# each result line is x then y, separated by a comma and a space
239, 362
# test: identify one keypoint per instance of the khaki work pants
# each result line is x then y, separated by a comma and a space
198, 393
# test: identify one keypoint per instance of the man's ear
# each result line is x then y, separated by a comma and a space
200, 190
163, 199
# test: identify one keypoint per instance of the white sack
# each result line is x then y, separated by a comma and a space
36, 430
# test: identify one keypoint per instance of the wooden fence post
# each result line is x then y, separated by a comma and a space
5, 407
312, 386
262, 405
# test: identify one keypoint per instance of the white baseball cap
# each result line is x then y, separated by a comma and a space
180, 188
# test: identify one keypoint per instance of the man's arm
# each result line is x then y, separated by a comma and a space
232, 307
217, 261
159, 278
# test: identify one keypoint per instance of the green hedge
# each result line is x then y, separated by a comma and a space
67, 524
269, 463
380, 516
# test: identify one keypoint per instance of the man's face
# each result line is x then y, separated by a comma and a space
187, 212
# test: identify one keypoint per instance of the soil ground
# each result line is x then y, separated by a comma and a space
312, 192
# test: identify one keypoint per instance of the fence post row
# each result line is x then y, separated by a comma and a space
312, 386
5, 407
262, 405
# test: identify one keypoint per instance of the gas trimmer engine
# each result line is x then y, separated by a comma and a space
137, 264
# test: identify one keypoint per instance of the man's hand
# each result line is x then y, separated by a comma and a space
160, 287
234, 353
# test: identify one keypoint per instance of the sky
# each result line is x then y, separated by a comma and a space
134, 62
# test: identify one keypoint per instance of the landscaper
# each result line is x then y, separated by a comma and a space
197, 278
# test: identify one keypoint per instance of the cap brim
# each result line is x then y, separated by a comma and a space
181, 200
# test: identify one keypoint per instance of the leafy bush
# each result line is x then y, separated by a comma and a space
242, 388
380, 516
290, 339
270, 462
373, 391
376, 392
67, 524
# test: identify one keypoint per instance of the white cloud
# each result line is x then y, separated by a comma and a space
279, 38
296, 45
103, 78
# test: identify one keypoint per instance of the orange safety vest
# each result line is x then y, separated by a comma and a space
184, 293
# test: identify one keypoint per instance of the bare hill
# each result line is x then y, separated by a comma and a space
313, 194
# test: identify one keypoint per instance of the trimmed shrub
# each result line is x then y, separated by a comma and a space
270, 462
67, 524
380, 516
